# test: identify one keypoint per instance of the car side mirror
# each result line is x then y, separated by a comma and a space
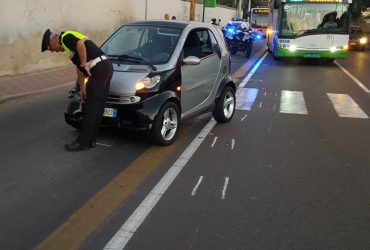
191, 60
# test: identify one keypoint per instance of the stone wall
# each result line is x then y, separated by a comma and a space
23, 22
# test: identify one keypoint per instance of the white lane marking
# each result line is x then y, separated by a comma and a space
265, 94
125, 233
214, 142
246, 98
360, 84
243, 118
274, 108
345, 106
260, 105
292, 102
232, 144
251, 73
196, 186
225, 187
102, 144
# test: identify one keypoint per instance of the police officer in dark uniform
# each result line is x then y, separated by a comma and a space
91, 63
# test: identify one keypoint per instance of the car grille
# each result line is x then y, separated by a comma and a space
121, 99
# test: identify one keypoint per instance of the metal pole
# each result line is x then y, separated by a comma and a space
249, 11
240, 9
146, 9
204, 9
192, 10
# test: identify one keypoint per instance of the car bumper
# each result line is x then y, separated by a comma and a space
138, 116
339, 54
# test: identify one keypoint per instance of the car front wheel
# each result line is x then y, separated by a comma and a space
166, 124
225, 105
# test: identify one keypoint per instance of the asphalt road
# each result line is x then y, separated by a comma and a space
42, 185
291, 170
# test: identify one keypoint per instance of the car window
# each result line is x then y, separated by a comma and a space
206, 42
198, 43
213, 40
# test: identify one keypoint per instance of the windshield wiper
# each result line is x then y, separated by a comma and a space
133, 59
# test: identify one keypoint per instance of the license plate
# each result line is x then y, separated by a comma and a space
110, 112
352, 43
312, 55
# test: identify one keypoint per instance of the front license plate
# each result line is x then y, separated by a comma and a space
110, 112
312, 55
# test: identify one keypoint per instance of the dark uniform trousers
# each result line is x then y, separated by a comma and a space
97, 90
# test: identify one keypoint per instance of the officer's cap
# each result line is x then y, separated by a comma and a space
45, 40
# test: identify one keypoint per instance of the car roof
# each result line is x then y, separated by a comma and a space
170, 23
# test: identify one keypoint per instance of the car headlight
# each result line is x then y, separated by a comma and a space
147, 82
363, 40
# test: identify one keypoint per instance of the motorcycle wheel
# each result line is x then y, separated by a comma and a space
248, 50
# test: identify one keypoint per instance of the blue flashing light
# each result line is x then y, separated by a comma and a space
259, 37
231, 30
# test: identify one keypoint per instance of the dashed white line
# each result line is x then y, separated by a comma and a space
232, 144
345, 106
214, 142
225, 187
292, 102
196, 186
243, 118
360, 84
260, 105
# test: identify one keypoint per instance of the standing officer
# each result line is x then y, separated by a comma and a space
90, 62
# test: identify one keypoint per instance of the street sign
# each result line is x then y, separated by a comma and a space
210, 3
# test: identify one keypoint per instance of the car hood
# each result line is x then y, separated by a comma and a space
125, 77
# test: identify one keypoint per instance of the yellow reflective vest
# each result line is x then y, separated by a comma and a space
74, 33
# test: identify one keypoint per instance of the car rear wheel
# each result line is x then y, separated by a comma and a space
225, 105
166, 124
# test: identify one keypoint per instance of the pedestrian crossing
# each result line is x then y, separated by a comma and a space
293, 102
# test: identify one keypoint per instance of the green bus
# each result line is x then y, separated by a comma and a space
309, 28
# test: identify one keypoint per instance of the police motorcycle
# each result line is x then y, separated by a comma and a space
239, 38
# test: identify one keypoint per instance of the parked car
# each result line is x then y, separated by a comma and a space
357, 38
164, 72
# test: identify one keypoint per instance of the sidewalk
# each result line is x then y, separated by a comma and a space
13, 87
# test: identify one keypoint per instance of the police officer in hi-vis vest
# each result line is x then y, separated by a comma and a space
90, 62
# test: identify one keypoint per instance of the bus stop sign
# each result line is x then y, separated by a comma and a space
210, 3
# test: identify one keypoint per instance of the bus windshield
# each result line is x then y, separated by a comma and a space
259, 20
306, 18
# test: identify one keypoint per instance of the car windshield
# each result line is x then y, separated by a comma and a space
308, 18
149, 45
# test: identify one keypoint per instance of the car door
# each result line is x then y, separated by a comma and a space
199, 80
